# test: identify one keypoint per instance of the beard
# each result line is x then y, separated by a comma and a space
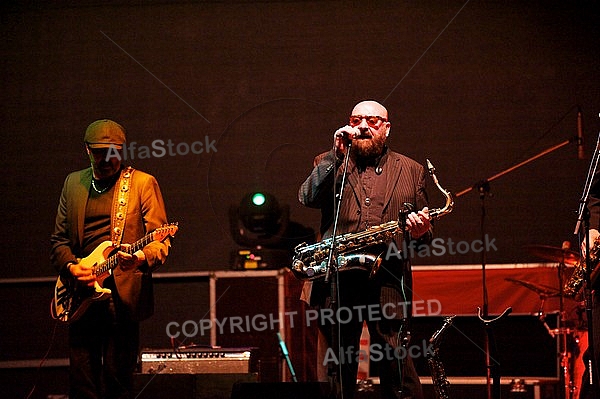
368, 148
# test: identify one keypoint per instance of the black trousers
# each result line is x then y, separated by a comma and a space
398, 377
360, 300
103, 353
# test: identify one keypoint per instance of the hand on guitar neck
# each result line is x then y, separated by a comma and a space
127, 261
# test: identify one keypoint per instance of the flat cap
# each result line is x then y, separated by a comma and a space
104, 133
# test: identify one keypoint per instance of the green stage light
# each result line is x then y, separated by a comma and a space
258, 199
259, 221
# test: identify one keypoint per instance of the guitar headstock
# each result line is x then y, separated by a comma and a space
165, 231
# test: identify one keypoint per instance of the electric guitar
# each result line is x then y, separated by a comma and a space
72, 298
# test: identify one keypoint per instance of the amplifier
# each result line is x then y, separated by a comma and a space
197, 361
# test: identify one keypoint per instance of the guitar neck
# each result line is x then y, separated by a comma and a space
112, 261
141, 243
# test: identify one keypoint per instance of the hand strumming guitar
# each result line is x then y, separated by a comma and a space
82, 273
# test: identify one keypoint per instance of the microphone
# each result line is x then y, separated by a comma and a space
344, 134
580, 154
347, 132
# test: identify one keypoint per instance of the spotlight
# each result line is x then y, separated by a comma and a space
262, 227
259, 220
258, 199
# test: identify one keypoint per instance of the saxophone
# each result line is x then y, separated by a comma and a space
310, 261
575, 282
438, 374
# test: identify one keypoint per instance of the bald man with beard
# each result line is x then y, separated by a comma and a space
379, 184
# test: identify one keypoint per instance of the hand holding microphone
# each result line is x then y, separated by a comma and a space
344, 136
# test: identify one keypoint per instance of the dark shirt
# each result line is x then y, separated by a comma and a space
373, 186
97, 219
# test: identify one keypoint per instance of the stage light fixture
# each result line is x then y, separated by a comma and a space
258, 199
261, 226
259, 220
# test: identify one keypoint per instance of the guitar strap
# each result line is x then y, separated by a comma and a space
120, 202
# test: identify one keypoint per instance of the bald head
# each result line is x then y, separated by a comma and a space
370, 107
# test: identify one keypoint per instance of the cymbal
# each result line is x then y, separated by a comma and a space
555, 254
541, 289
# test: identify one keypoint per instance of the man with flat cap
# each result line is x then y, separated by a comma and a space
108, 202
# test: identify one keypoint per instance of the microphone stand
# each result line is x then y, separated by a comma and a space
525, 162
483, 187
286, 356
563, 332
492, 365
493, 370
405, 328
584, 218
331, 277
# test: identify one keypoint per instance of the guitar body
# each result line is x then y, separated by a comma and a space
71, 297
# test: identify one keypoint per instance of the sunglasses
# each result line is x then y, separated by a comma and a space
372, 120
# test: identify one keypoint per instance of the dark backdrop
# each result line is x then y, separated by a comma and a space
474, 86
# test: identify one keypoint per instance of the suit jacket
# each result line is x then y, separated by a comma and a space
404, 183
145, 213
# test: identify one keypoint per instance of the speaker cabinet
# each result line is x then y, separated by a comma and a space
197, 361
